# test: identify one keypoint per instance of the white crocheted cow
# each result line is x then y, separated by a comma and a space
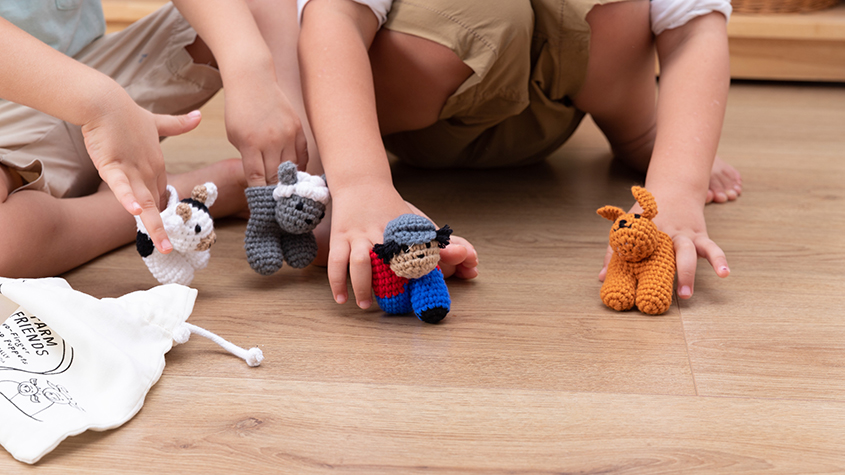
190, 230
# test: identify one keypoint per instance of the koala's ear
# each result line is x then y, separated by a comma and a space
610, 212
646, 201
205, 194
287, 173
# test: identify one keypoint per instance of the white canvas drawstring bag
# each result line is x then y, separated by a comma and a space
70, 362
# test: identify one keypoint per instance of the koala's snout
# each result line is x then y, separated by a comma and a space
206, 242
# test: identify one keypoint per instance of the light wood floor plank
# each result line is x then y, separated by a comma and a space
530, 373
264, 426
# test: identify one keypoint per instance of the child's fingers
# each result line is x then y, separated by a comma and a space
336, 268
170, 125
141, 203
466, 273
715, 256
686, 257
361, 273
271, 159
301, 148
607, 255
254, 171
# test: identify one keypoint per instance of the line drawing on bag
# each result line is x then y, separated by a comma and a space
35, 397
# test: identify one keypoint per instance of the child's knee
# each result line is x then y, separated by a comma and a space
10, 181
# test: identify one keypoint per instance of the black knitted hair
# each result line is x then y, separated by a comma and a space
442, 237
386, 251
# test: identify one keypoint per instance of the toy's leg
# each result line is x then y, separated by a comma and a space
262, 241
654, 290
391, 291
399, 304
619, 288
430, 297
299, 249
170, 268
198, 259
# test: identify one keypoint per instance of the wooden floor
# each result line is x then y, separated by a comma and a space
530, 373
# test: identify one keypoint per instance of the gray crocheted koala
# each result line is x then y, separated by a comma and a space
282, 220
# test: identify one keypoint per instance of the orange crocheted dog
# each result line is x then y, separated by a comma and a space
642, 269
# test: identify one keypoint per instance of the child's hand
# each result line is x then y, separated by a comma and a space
359, 216
688, 230
123, 143
459, 258
266, 130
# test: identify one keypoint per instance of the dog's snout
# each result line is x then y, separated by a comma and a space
622, 224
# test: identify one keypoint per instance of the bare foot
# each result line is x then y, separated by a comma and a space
725, 183
228, 175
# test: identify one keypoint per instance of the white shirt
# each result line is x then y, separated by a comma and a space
379, 7
665, 14
668, 14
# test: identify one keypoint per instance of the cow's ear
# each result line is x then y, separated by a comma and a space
183, 210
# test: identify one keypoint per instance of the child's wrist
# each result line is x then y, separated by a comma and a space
104, 97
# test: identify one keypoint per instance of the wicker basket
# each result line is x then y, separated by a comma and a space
781, 6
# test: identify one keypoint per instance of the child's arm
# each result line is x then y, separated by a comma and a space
121, 137
260, 121
694, 81
340, 99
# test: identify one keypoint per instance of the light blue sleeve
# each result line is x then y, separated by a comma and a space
66, 25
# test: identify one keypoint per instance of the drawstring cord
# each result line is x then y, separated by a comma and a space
253, 356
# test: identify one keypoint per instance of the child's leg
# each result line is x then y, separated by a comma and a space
397, 60
46, 236
622, 46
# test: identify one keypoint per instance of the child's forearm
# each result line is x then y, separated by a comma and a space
694, 81
339, 94
230, 32
37, 76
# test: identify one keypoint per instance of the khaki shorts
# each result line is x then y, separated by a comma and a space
529, 57
149, 60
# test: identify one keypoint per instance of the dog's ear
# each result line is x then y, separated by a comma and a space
610, 212
646, 201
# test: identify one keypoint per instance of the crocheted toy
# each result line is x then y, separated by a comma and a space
642, 268
406, 276
190, 230
282, 220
